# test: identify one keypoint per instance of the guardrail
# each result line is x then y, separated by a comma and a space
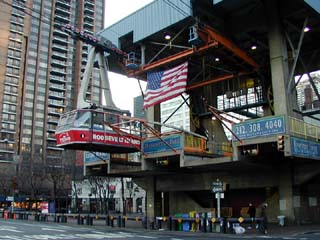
302, 129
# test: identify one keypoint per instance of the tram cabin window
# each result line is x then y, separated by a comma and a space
83, 119
97, 121
109, 120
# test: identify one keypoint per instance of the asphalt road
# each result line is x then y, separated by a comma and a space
22, 230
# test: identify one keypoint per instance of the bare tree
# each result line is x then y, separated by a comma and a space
58, 174
31, 180
100, 188
6, 176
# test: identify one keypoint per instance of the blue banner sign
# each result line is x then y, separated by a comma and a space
303, 148
157, 145
259, 127
94, 157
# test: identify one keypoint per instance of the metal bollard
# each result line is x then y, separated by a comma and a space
123, 221
145, 222
119, 221
169, 224
107, 220
223, 225
204, 224
111, 221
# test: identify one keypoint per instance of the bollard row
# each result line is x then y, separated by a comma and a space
197, 224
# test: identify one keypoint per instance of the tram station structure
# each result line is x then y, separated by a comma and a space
245, 59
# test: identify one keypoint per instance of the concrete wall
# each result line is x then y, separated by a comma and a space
179, 202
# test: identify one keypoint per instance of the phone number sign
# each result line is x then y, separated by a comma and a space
259, 127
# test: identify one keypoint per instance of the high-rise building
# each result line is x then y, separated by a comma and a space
40, 73
138, 110
175, 112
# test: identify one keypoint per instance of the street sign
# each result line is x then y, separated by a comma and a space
217, 186
219, 195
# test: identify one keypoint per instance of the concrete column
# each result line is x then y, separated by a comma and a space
278, 60
143, 55
286, 195
150, 189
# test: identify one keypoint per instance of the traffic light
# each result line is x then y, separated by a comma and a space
280, 143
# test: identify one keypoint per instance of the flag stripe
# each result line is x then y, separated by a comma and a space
165, 85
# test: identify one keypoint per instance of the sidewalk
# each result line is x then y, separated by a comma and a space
273, 230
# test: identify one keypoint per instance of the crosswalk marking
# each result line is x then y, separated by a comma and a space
10, 229
53, 229
94, 235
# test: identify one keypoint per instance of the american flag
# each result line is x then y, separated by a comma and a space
165, 85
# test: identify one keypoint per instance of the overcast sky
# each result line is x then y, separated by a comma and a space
123, 89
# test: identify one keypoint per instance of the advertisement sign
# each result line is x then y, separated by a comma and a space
96, 156
259, 127
165, 144
44, 207
304, 148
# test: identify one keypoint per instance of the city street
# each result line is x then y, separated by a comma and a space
21, 230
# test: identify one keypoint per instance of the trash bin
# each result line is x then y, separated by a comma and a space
281, 220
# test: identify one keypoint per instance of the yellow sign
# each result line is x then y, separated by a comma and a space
213, 220
240, 219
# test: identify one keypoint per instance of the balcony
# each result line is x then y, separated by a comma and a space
89, 4
62, 11
88, 18
59, 55
55, 111
53, 120
56, 103
54, 147
63, 4
58, 71
58, 32
57, 79
61, 19
89, 12
51, 128
7, 157
84, 54
60, 40
88, 25
56, 95
59, 48
57, 87
84, 62
58, 63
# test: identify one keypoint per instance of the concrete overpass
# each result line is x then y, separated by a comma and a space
243, 58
